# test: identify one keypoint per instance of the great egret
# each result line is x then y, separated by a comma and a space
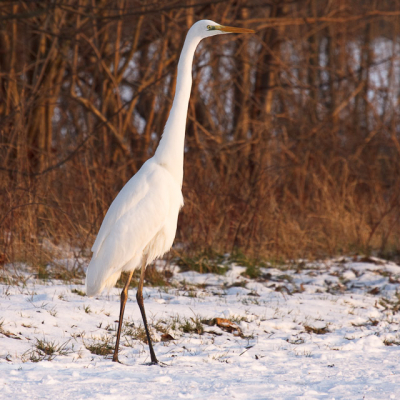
140, 224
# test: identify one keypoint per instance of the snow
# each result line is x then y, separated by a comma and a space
325, 330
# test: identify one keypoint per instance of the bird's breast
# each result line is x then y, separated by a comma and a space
164, 238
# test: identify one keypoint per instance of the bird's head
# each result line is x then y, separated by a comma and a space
206, 28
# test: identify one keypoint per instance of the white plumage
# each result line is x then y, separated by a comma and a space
141, 220
140, 224
143, 217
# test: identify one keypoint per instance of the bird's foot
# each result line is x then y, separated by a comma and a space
152, 362
163, 365
159, 363
115, 359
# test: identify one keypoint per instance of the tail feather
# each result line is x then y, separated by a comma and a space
98, 279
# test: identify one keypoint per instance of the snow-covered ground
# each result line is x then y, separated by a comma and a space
328, 330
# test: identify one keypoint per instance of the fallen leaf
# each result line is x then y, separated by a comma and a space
166, 337
375, 290
318, 331
223, 323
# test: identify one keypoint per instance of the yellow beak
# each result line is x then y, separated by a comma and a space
232, 29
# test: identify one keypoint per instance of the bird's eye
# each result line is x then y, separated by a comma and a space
209, 27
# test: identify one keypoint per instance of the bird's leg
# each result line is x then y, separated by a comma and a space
124, 298
139, 297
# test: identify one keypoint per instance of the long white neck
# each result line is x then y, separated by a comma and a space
171, 147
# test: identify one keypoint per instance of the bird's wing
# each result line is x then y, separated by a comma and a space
124, 239
133, 191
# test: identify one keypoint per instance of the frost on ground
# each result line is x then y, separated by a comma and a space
306, 331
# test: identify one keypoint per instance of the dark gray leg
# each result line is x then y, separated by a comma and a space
124, 298
139, 297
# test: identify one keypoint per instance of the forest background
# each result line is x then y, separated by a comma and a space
293, 134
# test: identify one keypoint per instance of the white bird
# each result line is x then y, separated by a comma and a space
140, 224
